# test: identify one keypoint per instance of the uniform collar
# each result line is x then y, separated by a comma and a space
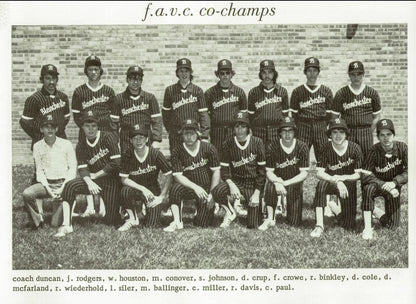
231, 88
394, 152
189, 87
275, 86
128, 93
44, 92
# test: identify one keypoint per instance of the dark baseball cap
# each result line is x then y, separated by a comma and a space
311, 62
92, 60
287, 122
139, 129
224, 64
48, 119
267, 64
134, 70
337, 123
385, 124
183, 63
49, 69
356, 66
242, 117
191, 124
88, 116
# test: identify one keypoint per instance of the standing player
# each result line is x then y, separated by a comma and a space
224, 101
56, 164
94, 96
311, 104
243, 171
338, 173
267, 104
47, 100
196, 172
184, 100
384, 174
359, 105
287, 162
135, 106
98, 165
139, 173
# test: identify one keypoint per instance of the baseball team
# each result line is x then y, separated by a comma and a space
247, 155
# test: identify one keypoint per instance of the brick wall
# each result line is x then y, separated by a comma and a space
381, 47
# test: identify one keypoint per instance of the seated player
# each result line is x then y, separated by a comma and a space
98, 158
196, 172
243, 171
139, 174
287, 162
338, 172
55, 163
384, 174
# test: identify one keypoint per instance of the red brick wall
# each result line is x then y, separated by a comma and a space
381, 47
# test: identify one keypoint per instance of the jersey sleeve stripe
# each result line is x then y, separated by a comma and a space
76, 111
115, 116
166, 109
225, 164
250, 112
67, 115
286, 111
115, 156
293, 110
203, 110
376, 113
263, 163
168, 173
269, 169
26, 117
215, 168
304, 169
320, 169
156, 115
335, 112
82, 166
177, 173
366, 171
357, 170
123, 175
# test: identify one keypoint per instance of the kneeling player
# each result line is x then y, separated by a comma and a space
287, 162
384, 174
338, 173
243, 171
196, 171
139, 173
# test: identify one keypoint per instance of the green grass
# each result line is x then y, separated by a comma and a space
94, 245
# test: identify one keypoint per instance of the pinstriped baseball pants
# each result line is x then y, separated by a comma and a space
348, 205
313, 134
219, 134
391, 219
363, 137
267, 134
175, 140
134, 199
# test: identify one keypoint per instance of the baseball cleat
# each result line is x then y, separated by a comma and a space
88, 212
167, 212
328, 212
317, 232
173, 226
228, 218
278, 211
334, 207
367, 234
128, 224
239, 208
267, 224
64, 230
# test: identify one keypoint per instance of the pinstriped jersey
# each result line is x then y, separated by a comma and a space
348, 163
284, 162
223, 104
143, 109
386, 167
267, 106
310, 104
145, 171
244, 161
98, 100
357, 107
102, 154
197, 166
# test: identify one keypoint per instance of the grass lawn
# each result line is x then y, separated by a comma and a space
97, 246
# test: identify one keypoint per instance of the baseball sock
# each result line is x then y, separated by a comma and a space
319, 216
367, 219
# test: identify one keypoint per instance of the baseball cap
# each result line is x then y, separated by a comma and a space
189, 123
88, 116
267, 64
183, 63
311, 62
356, 66
224, 64
385, 124
287, 122
241, 117
49, 69
92, 60
134, 70
48, 119
139, 129
337, 123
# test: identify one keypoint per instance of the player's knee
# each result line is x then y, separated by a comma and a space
28, 195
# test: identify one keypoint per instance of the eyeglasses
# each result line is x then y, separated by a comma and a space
223, 73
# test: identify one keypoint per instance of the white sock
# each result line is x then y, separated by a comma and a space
90, 202
367, 219
176, 212
319, 211
66, 212
270, 213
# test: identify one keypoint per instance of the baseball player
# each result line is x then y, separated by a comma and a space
47, 100
196, 172
139, 173
287, 162
311, 105
384, 174
95, 96
56, 164
338, 173
243, 171
359, 105
98, 165
135, 106
224, 100
184, 100
267, 104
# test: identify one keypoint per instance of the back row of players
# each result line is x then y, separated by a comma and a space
238, 128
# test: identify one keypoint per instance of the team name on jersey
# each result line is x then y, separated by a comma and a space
199, 164
389, 166
134, 108
266, 101
224, 101
244, 160
340, 164
184, 101
356, 103
100, 154
287, 163
94, 100
312, 101
53, 107
141, 171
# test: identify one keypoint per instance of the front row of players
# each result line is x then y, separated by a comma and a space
238, 178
